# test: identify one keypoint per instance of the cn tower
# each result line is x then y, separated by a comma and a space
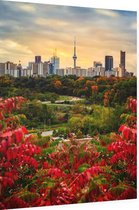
74, 56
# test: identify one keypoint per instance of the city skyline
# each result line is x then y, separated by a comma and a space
28, 29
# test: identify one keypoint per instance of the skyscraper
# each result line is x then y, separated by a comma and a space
122, 59
38, 59
51, 68
108, 62
74, 56
55, 62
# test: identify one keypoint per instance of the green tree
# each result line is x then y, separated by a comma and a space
75, 124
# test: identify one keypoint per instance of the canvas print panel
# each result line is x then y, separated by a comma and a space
67, 105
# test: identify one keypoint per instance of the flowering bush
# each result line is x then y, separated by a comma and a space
64, 172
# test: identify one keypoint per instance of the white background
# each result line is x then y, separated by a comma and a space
118, 4
132, 5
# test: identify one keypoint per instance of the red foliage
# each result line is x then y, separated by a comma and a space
132, 104
94, 88
128, 133
124, 151
107, 97
129, 193
61, 194
75, 172
55, 173
15, 202
16, 154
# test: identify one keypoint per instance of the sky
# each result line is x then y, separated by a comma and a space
29, 29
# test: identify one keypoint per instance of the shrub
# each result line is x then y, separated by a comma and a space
64, 172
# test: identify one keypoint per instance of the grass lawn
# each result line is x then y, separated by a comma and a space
66, 98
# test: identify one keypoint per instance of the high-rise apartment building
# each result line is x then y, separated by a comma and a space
19, 70
68, 71
90, 72
97, 63
33, 67
108, 62
46, 68
60, 72
2, 69
79, 72
10, 68
40, 69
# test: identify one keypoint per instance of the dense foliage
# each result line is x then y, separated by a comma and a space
93, 89
41, 172
88, 119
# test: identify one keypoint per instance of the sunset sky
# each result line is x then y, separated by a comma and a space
27, 30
